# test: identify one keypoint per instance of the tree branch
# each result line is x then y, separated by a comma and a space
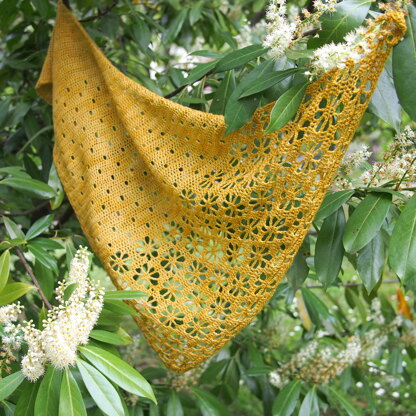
33, 277
27, 212
101, 12
179, 89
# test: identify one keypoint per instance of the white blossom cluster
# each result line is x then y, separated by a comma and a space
319, 364
336, 55
281, 31
398, 166
67, 325
285, 26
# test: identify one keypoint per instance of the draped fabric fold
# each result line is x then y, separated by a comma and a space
206, 224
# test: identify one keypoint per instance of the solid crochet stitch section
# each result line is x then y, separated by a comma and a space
206, 224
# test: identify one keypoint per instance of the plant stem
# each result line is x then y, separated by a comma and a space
33, 277
27, 212
101, 12
179, 89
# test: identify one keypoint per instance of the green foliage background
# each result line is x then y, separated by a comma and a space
366, 234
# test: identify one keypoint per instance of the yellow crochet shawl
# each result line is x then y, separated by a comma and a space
206, 224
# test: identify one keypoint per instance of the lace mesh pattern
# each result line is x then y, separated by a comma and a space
206, 224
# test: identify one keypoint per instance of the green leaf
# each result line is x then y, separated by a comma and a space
70, 400
223, 92
10, 383
100, 389
240, 57
344, 401
43, 256
31, 187
47, 400
175, 27
119, 372
13, 291
370, 262
384, 101
209, 404
124, 294
119, 307
329, 250
174, 407
4, 269
12, 229
402, 246
47, 243
195, 13
286, 400
366, 221
199, 71
332, 202
268, 81
25, 405
286, 107
239, 111
39, 226
298, 271
55, 183
315, 307
404, 65
348, 15
110, 337
45, 278
394, 364
310, 406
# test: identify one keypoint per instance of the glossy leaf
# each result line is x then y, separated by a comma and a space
310, 406
267, 81
329, 250
39, 226
286, 401
31, 187
10, 383
384, 101
348, 15
174, 407
199, 71
124, 294
223, 92
317, 310
70, 400
118, 371
332, 202
175, 26
298, 271
404, 65
366, 221
43, 256
108, 337
208, 403
343, 401
402, 245
14, 291
26, 402
240, 57
100, 389
370, 262
286, 107
4, 269
12, 229
239, 111
47, 399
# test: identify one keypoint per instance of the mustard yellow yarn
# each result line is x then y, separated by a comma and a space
207, 225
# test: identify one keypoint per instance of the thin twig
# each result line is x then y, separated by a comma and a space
179, 89
101, 12
33, 277
27, 212
351, 284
